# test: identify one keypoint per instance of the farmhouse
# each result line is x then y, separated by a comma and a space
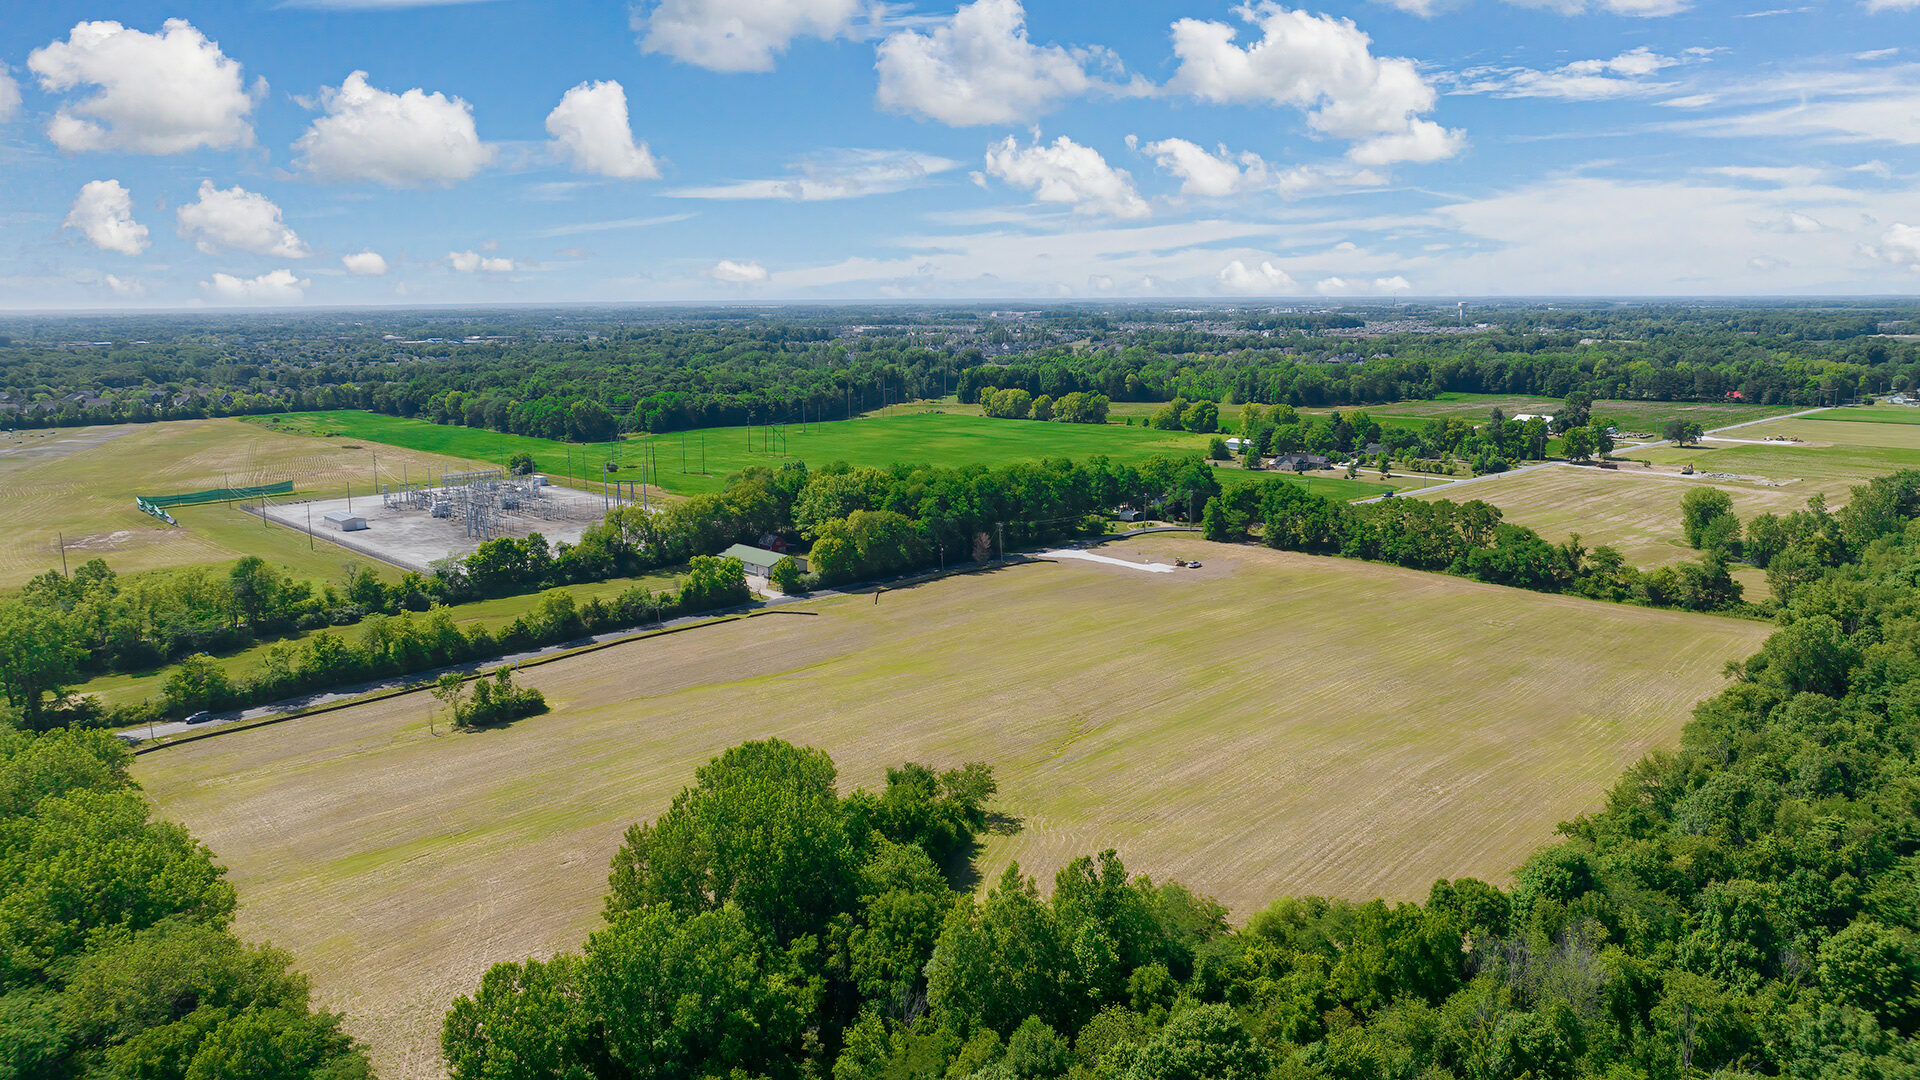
1299, 462
759, 561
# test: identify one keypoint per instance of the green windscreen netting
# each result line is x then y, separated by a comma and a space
157, 504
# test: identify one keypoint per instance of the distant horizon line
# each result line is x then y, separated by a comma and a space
976, 302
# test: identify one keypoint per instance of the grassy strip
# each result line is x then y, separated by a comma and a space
1870, 414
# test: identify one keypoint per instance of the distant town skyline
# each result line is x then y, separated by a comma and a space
343, 152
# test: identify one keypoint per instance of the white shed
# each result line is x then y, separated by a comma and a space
344, 521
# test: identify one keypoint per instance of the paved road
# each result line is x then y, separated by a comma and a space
1451, 484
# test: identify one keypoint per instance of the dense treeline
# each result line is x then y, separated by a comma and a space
586, 375
1743, 906
116, 956
1492, 446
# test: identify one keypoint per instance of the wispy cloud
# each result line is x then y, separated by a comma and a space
609, 226
373, 5
1626, 75
1859, 105
833, 174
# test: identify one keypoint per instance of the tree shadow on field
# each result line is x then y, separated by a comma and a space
963, 870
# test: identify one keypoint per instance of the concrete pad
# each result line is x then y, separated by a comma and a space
414, 539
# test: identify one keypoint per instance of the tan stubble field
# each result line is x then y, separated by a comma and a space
1270, 724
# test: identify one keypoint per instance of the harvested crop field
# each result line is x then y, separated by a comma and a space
1272, 723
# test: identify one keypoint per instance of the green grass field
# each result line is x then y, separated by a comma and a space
78, 484
1871, 414
1387, 728
939, 438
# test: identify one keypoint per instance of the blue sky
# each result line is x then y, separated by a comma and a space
340, 152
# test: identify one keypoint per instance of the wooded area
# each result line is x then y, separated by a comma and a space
584, 376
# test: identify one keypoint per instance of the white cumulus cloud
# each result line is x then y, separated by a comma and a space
412, 139
738, 35
472, 262
590, 126
1349, 286
1063, 171
273, 287
239, 220
1900, 246
364, 263
1221, 173
159, 93
1204, 173
1238, 277
1322, 66
104, 215
738, 273
979, 68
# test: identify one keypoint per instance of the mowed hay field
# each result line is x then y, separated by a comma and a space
1634, 510
1637, 509
1273, 723
82, 482
1833, 455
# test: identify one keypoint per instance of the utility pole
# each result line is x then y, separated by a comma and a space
309, 525
63, 553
